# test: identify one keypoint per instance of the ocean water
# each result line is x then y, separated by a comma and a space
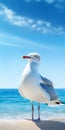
13, 106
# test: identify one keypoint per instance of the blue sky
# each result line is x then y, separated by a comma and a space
32, 26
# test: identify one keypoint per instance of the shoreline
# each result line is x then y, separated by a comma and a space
52, 124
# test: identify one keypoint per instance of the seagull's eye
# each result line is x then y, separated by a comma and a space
36, 56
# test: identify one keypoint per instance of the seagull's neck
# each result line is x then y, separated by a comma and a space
33, 66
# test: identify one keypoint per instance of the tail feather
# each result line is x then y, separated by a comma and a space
60, 102
56, 102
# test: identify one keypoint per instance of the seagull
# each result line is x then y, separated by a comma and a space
34, 86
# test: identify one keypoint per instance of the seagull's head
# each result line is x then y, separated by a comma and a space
32, 57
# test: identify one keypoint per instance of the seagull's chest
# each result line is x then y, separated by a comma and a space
30, 85
30, 79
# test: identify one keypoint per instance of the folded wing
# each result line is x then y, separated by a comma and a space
47, 86
46, 81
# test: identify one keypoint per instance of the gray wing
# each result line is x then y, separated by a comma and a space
46, 81
47, 85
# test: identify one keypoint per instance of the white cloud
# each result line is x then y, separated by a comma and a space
12, 17
22, 21
39, 22
34, 26
30, 21
48, 24
57, 3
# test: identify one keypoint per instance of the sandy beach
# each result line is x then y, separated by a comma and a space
54, 124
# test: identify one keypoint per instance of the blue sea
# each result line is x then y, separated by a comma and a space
13, 106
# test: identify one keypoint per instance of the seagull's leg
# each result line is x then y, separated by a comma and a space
32, 111
38, 111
